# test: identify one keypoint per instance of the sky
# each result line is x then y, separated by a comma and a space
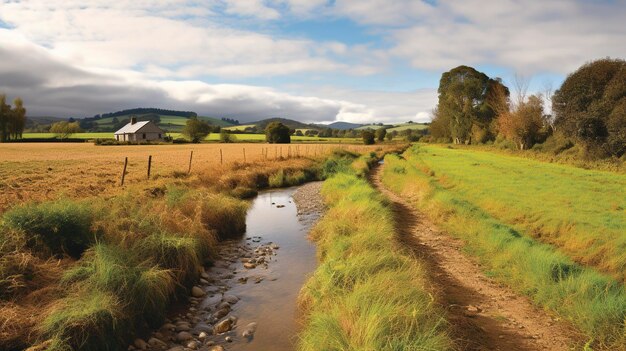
359, 61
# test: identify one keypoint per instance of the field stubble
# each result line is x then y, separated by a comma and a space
46, 171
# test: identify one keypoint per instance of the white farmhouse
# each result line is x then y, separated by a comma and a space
139, 131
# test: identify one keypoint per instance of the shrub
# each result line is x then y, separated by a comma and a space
368, 137
60, 227
226, 137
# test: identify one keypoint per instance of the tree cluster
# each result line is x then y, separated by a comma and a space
12, 119
590, 106
231, 121
65, 129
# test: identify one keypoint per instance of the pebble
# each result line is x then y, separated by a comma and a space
154, 342
140, 344
223, 326
249, 265
231, 299
184, 336
193, 345
249, 330
197, 292
217, 348
228, 339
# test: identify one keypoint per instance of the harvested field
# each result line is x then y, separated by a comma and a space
36, 171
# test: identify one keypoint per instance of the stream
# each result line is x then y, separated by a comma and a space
248, 299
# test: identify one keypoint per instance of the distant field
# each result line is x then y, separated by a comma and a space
170, 123
241, 127
211, 137
405, 126
103, 135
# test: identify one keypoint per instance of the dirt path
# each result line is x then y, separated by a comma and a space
483, 314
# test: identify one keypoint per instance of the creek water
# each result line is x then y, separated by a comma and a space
272, 303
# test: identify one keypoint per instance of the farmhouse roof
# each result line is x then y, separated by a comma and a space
131, 128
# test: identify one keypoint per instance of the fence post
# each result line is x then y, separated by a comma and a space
221, 157
190, 158
244, 155
124, 171
149, 165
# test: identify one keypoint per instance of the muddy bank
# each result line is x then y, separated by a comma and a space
247, 300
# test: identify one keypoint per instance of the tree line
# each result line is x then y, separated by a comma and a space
589, 109
12, 119
144, 111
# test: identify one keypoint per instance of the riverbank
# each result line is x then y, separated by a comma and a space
247, 299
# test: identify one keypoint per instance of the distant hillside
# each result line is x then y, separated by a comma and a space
343, 125
170, 120
288, 122
146, 111
374, 126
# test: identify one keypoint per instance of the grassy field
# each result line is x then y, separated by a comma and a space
367, 293
406, 126
546, 230
213, 137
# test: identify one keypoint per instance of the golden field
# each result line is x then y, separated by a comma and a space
44, 171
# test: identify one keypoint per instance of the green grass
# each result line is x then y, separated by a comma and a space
240, 127
103, 135
582, 212
458, 190
367, 293
406, 126
213, 137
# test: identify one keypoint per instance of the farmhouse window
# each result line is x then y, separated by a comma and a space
144, 135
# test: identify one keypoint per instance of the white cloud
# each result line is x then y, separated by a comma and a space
133, 35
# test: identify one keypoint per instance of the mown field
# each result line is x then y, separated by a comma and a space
553, 232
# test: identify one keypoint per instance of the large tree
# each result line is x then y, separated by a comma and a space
590, 106
196, 130
5, 112
277, 133
463, 100
12, 121
18, 119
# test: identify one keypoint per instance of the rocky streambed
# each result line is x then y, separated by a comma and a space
248, 299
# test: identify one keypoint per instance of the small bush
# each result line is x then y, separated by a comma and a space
60, 227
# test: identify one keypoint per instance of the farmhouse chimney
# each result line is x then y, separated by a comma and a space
133, 120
